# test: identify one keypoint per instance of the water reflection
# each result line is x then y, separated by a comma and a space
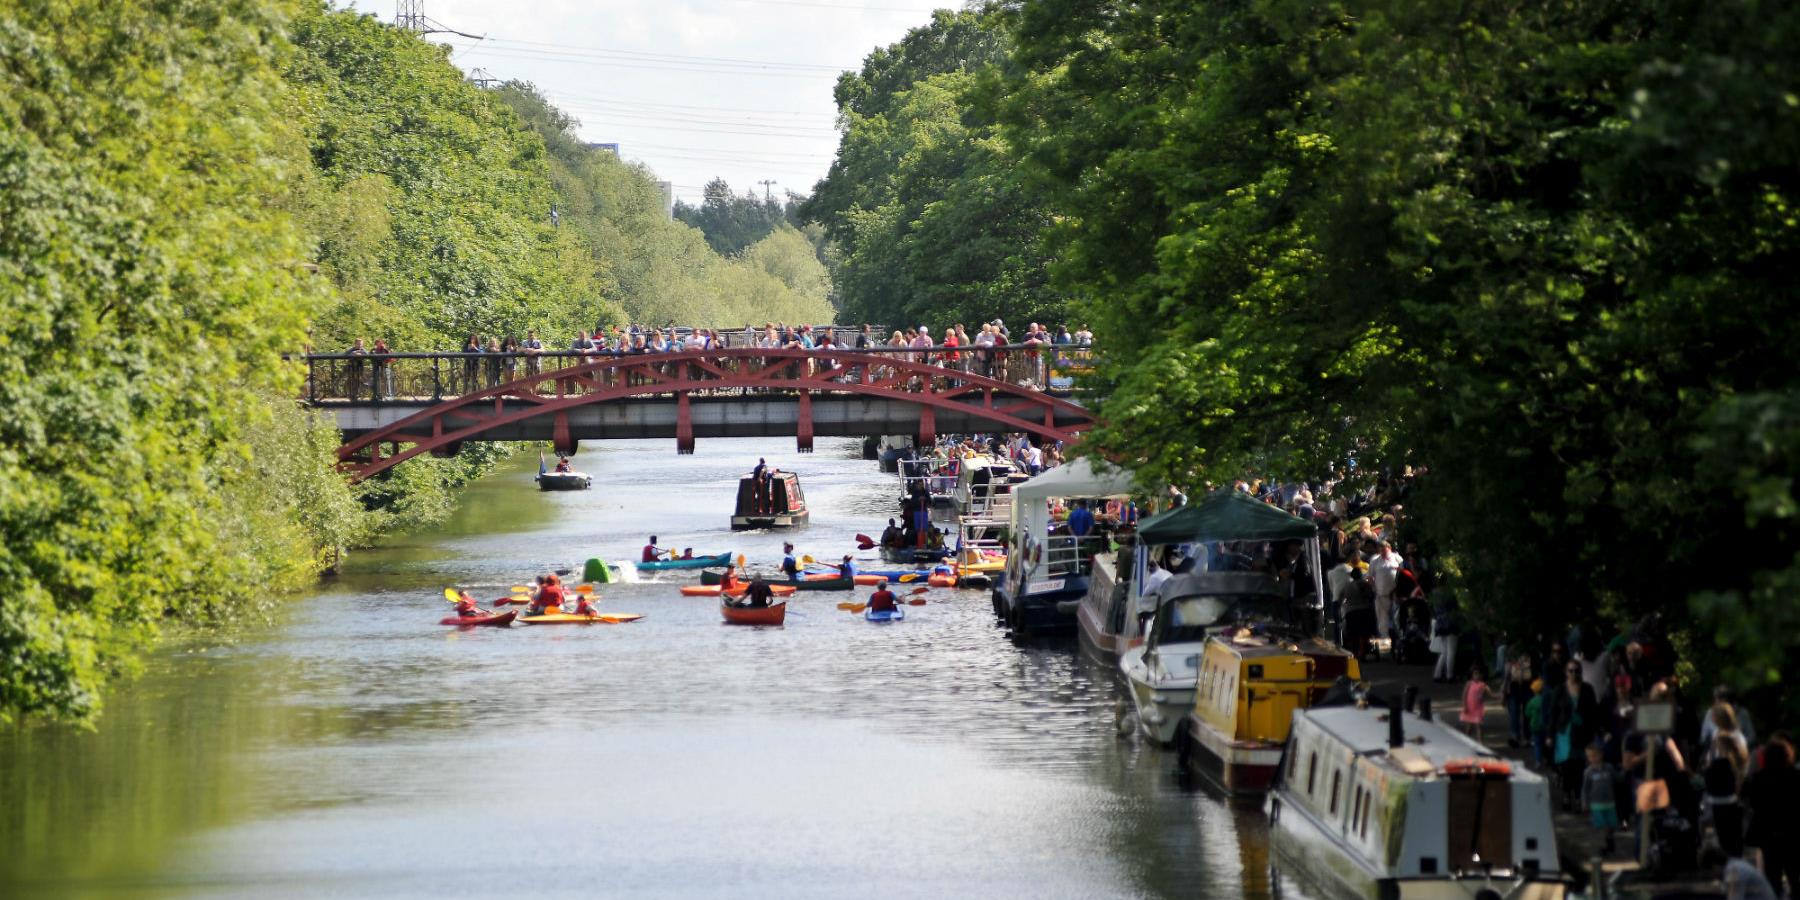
357, 748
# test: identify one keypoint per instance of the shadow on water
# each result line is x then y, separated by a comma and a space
357, 748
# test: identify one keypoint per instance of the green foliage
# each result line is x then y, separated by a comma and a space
1546, 249
660, 270
934, 219
432, 198
148, 280
732, 223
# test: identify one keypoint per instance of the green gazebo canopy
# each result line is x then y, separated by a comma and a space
1225, 516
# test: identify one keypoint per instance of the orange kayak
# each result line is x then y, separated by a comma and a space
571, 619
748, 615
714, 590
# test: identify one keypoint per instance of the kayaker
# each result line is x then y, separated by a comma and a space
729, 582
652, 553
549, 596
883, 600
847, 569
466, 606
893, 536
789, 566
562, 464
687, 553
585, 606
759, 594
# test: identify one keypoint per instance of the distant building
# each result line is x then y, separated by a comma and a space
668, 189
612, 148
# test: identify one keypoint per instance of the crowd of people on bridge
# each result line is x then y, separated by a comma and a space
491, 360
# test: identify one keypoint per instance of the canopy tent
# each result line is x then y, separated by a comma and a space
1077, 478
1225, 516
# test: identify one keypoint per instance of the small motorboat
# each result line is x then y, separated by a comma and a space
885, 615
773, 614
573, 619
821, 582
697, 562
714, 590
564, 481
501, 619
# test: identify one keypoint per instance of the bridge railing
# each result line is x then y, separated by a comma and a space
359, 378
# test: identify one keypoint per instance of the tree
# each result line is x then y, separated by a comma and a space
730, 222
1543, 249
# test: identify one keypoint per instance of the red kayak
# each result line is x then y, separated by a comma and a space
501, 619
753, 615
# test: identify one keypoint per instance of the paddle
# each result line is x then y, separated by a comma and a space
916, 601
920, 590
808, 560
865, 540
520, 589
740, 560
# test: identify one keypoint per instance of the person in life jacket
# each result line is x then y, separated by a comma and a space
652, 553
584, 605
562, 464
789, 566
730, 581
549, 596
466, 606
883, 600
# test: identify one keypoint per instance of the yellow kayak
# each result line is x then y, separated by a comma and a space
572, 619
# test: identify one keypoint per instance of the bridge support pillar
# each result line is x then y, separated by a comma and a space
684, 424
803, 429
560, 437
927, 427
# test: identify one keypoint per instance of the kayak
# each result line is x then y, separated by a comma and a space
812, 582
698, 562
572, 619
714, 590
885, 615
948, 581
597, 571
500, 619
753, 615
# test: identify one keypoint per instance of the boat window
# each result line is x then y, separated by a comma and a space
1365, 814
1337, 778
1312, 771
1356, 807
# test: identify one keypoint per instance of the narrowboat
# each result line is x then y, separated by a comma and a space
1164, 670
774, 501
1244, 699
1374, 802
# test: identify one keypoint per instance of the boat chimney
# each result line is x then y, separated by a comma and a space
1396, 730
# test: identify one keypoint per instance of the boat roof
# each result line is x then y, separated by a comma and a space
1429, 745
1263, 647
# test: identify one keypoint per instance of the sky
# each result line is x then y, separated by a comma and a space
695, 89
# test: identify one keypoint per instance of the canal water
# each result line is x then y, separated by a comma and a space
353, 747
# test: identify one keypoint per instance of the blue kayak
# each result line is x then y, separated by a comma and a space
698, 562
897, 574
886, 615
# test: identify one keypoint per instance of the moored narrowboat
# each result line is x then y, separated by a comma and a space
1377, 803
1248, 688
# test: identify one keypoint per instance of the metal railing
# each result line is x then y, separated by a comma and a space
354, 378
1066, 554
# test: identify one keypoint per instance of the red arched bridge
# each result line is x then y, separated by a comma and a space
393, 407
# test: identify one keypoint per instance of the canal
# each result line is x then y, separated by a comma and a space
354, 747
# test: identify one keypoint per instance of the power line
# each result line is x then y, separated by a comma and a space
662, 57
644, 65
409, 15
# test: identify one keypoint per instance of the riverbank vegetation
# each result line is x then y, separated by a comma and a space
1545, 252
189, 190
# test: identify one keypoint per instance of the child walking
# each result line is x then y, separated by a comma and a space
1599, 793
1474, 702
